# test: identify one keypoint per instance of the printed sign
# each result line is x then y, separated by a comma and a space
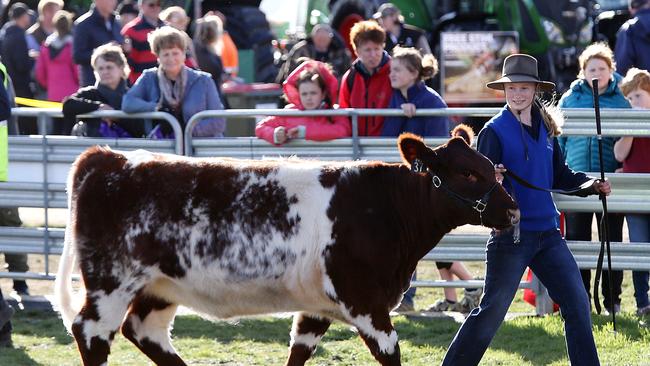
469, 60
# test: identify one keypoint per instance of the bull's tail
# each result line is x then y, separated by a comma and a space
68, 302
65, 297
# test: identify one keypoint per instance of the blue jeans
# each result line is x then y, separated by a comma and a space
639, 227
409, 295
547, 254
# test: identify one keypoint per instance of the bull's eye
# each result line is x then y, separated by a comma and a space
469, 176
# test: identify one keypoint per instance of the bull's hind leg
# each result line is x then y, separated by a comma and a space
378, 333
147, 325
306, 332
96, 324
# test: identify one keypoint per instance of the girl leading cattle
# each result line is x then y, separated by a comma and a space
522, 139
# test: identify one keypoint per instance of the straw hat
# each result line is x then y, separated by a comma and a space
520, 68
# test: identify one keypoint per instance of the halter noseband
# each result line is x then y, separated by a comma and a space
478, 205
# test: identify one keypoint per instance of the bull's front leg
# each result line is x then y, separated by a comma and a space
306, 332
378, 333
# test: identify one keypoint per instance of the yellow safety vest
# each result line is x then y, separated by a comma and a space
4, 135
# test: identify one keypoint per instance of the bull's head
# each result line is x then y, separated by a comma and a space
465, 176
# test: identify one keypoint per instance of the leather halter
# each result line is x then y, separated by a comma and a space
478, 205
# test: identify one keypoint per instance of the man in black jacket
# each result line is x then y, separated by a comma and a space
15, 54
93, 29
397, 33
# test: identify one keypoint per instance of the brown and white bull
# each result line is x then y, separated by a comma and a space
229, 238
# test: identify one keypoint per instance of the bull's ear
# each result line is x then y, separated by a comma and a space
412, 147
465, 132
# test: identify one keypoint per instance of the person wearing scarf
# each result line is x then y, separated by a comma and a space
111, 70
174, 88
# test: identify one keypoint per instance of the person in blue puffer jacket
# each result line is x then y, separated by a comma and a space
581, 153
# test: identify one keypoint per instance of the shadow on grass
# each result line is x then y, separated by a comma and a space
42, 324
264, 330
16, 356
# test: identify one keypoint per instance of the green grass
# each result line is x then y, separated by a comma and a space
40, 340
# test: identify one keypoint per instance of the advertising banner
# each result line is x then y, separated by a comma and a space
471, 59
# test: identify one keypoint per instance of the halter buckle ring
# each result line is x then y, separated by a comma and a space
436, 181
480, 206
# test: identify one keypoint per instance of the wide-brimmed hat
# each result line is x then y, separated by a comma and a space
520, 68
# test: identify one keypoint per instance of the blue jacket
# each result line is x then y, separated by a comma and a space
633, 43
581, 153
423, 97
200, 95
502, 141
90, 32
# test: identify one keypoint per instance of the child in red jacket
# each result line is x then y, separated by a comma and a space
310, 86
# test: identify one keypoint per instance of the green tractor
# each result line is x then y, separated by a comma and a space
555, 32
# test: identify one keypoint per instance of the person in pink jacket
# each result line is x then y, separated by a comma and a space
310, 86
55, 68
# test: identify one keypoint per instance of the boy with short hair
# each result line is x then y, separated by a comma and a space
367, 84
633, 152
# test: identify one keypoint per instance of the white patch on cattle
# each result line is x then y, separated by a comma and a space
385, 341
309, 340
155, 327
111, 310
247, 278
328, 286
140, 226
137, 157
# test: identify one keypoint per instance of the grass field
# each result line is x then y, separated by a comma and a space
40, 339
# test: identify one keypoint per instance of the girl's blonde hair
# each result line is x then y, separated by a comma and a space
426, 67
208, 29
635, 79
599, 50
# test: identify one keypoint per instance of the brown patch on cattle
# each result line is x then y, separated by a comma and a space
368, 234
329, 176
300, 353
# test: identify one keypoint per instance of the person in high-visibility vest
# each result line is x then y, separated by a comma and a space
9, 215
6, 311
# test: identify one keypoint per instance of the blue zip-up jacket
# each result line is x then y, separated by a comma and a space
200, 95
423, 97
502, 142
633, 43
581, 153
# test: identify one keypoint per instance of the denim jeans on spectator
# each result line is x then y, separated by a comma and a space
549, 257
639, 228
409, 295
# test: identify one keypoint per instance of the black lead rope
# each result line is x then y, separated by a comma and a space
604, 222
584, 187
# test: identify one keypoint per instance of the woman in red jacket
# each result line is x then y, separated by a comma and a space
310, 86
